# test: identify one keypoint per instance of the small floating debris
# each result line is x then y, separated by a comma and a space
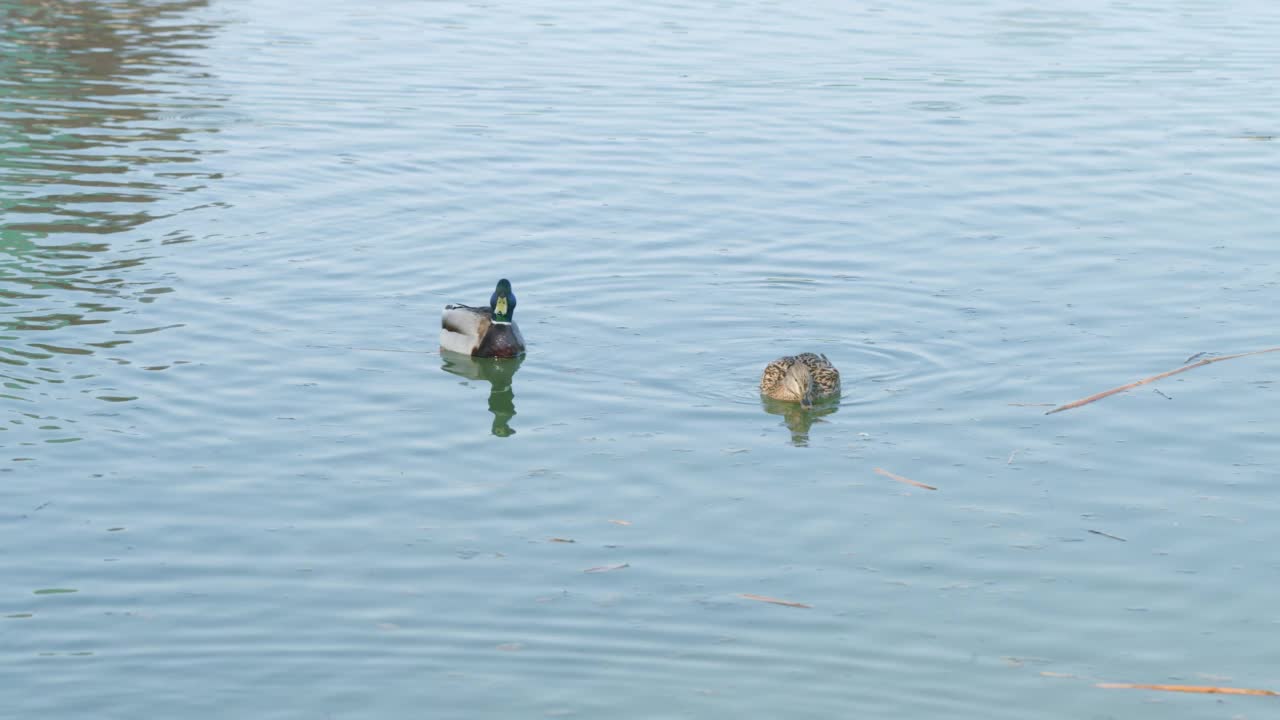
1108, 535
606, 568
54, 591
1153, 378
1013, 661
1205, 689
620, 522
899, 478
775, 601
561, 540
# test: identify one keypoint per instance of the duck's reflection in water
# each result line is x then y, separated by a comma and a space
799, 419
498, 373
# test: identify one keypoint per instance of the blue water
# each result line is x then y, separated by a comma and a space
229, 228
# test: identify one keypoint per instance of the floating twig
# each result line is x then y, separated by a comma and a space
901, 479
1108, 535
1207, 689
371, 349
1161, 394
1030, 404
1153, 378
606, 568
561, 540
1011, 456
775, 601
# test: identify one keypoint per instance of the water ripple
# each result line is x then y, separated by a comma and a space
96, 118
229, 229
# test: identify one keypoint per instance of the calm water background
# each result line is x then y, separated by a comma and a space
229, 227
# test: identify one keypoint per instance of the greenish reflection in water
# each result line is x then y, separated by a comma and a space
499, 373
91, 151
800, 420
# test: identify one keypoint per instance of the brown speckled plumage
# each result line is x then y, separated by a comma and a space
787, 378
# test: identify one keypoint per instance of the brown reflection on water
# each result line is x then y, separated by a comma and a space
96, 100
800, 420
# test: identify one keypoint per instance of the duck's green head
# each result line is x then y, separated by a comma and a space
503, 302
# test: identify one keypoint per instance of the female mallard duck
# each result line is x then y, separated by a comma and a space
800, 378
483, 331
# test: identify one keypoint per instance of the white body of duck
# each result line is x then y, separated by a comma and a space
487, 331
801, 378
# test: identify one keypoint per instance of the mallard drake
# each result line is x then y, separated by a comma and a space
800, 378
486, 331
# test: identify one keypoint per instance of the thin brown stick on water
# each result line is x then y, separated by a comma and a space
1153, 378
1207, 689
901, 479
775, 601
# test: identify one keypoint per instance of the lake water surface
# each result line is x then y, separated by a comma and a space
239, 480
